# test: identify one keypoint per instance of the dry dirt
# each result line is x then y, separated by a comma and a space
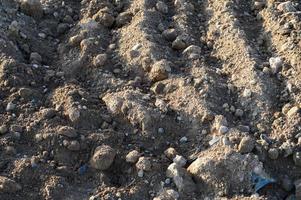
150, 99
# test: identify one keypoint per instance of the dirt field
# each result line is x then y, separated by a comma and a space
150, 100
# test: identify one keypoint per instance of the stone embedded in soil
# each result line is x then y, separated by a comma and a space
170, 153
3, 129
160, 70
297, 158
219, 121
293, 111
103, 157
220, 168
144, 164
192, 51
100, 60
74, 114
132, 156
32, 8
67, 131
162, 7
62, 28
259, 5
179, 43
287, 6
170, 34
35, 57
104, 18
10, 150
10, 106
275, 64
246, 144
8, 185
181, 178
123, 18
180, 160
167, 194
74, 145
273, 153
223, 129
239, 113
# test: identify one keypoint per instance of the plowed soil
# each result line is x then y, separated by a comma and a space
217, 80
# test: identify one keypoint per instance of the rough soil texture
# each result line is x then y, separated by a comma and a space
150, 99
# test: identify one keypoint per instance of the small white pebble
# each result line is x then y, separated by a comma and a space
183, 139
140, 173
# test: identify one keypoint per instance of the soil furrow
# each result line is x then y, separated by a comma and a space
256, 90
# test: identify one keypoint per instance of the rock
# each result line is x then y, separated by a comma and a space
132, 157
10, 107
223, 129
275, 64
170, 34
219, 121
183, 139
104, 18
162, 7
293, 111
239, 113
67, 131
8, 185
32, 8
297, 158
273, 153
10, 150
143, 164
100, 60
181, 178
246, 145
140, 173
3, 129
103, 157
74, 145
35, 57
123, 18
167, 194
192, 51
74, 114
179, 43
220, 168
258, 5
180, 160
287, 6
27, 93
16, 128
170, 153
160, 71
161, 130
62, 28
247, 93
76, 40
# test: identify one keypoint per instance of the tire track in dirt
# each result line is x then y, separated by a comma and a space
256, 91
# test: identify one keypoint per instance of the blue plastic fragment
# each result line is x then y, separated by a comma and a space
83, 169
261, 182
